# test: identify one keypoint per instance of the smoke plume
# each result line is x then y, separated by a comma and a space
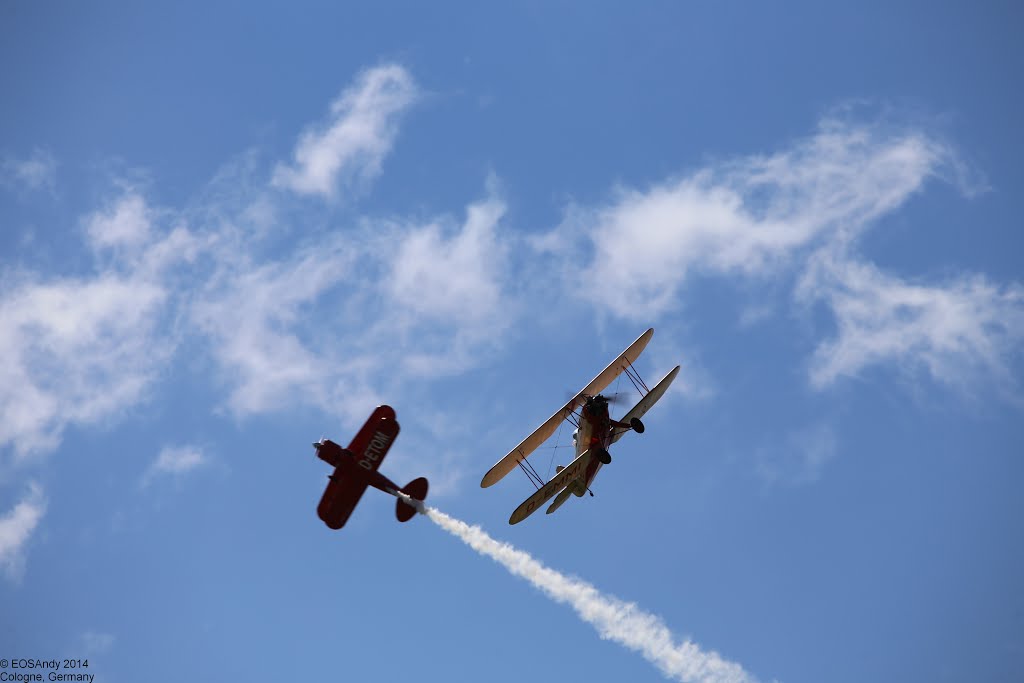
614, 619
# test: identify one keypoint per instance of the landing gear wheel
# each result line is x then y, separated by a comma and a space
637, 425
604, 457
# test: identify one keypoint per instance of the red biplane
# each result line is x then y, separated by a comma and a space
355, 468
595, 432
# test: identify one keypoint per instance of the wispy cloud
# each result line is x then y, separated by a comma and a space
328, 324
79, 349
960, 333
749, 217
96, 642
265, 338
349, 148
75, 350
175, 461
800, 458
37, 172
451, 283
16, 528
451, 277
125, 223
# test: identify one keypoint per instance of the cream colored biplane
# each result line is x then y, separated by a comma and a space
595, 432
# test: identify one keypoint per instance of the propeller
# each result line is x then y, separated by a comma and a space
614, 399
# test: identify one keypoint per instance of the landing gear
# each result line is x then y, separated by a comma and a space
604, 457
637, 425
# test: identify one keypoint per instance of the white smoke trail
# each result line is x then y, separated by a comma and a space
614, 619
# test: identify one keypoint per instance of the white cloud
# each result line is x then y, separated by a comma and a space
37, 172
453, 278
126, 223
80, 349
349, 148
449, 287
96, 642
175, 461
274, 348
750, 217
16, 528
958, 332
75, 350
327, 325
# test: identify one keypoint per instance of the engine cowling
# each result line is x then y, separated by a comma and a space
328, 451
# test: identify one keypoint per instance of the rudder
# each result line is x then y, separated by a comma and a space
416, 489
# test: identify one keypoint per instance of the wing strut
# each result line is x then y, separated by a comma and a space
531, 473
636, 379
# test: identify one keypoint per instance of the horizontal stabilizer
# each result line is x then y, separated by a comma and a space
559, 499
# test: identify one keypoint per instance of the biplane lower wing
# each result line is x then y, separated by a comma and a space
577, 468
339, 500
645, 404
544, 432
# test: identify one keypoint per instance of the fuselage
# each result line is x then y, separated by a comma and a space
595, 432
362, 467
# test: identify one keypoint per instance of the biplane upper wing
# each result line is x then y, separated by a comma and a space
648, 400
349, 481
576, 469
544, 432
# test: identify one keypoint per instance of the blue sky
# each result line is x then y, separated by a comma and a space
230, 230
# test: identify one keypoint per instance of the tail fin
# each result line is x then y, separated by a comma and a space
416, 489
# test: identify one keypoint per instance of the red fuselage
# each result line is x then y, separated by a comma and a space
595, 432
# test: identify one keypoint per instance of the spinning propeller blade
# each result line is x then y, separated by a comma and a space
614, 399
